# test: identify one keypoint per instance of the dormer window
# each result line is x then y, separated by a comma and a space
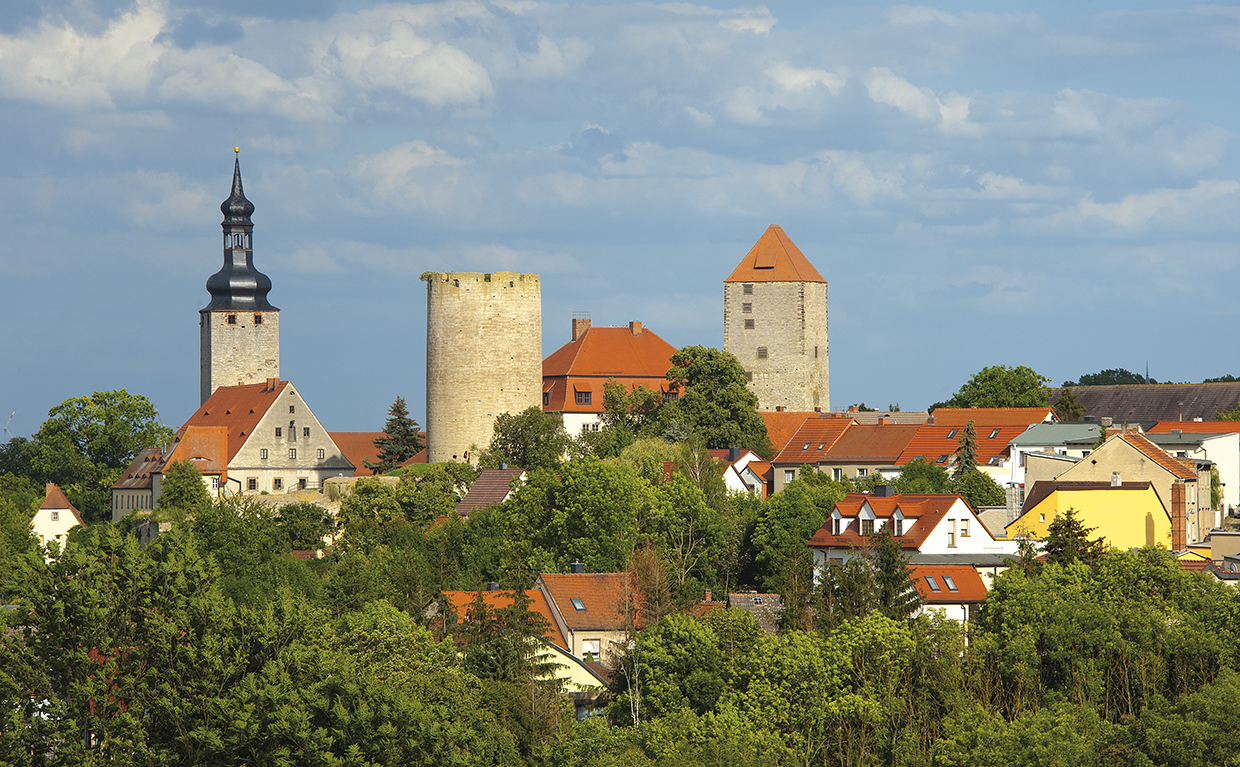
867, 527
836, 523
898, 526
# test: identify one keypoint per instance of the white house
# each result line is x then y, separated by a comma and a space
55, 518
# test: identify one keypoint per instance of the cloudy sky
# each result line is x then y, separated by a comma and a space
1051, 184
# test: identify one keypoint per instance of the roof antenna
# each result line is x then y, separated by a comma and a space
8, 437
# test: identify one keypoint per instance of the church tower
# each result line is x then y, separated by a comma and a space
239, 330
775, 323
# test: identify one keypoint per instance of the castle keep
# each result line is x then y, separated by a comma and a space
775, 323
239, 330
483, 356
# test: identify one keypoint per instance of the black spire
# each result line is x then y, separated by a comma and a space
238, 285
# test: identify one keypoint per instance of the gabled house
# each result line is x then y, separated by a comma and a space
1076, 439
925, 524
253, 438
1217, 441
808, 445
574, 375
492, 487
1124, 514
594, 612
937, 440
866, 449
55, 518
954, 590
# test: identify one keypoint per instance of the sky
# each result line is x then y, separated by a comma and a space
1047, 184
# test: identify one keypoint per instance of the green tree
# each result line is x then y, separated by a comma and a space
1067, 409
1231, 414
304, 524
1067, 541
1109, 377
182, 491
529, 440
400, 441
1221, 379
715, 401
896, 595
966, 451
1002, 386
978, 489
921, 476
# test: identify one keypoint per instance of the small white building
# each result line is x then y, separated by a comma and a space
55, 518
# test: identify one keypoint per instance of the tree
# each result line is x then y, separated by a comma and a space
633, 411
1222, 379
896, 595
400, 440
304, 524
921, 476
966, 451
978, 489
715, 401
1002, 386
1067, 541
1231, 414
1110, 377
530, 440
1067, 409
182, 490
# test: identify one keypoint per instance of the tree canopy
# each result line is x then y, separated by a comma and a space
1109, 377
715, 401
530, 439
400, 441
1001, 386
1067, 409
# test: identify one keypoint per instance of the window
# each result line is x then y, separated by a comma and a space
898, 524
1041, 517
322, 454
584, 397
292, 430
292, 453
258, 319
805, 446
263, 453
590, 648
748, 324
747, 308
951, 585
942, 459
951, 533
232, 319
749, 376
867, 527
301, 483
758, 600
215, 483
292, 409
952, 434
964, 528
277, 484
279, 432
934, 585
747, 289
577, 603
862, 472
671, 396
251, 483
789, 475
546, 398
995, 460
822, 445
994, 433
761, 352
835, 526
55, 516
837, 474
305, 432
815, 352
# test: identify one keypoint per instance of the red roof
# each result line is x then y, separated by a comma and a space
604, 599
138, 475
935, 441
968, 584
782, 425
491, 487
926, 510
204, 447
55, 500
495, 600
1180, 469
993, 416
1196, 427
774, 258
357, 447
880, 443
633, 355
238, 409
812, 441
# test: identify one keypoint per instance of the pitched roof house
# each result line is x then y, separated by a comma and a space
1125, 514
938, 438
592, 611
1217, 441
55, 518
574, 374
1134, 403
492, 487
808, 445
954, 590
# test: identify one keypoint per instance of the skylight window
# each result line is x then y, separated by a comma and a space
951, 585
806, 446
994, 433
822, 446
952, 434
578, 604
934, 585
942, 459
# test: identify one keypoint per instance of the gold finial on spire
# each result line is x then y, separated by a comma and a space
237, 150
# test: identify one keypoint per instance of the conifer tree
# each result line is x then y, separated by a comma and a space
966, 451
400, 440
896, 595
1067, 408
1067, 540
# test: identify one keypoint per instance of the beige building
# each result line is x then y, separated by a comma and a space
775, 323
483, 357
55, 518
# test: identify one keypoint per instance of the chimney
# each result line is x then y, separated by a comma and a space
1179, 517
1116, 479
580, 326
852, 408
492, 586
635, 327
1105, 421
884, 419
885, 491
576, 567
1112, 431
707, 598
817, 410
733, 454
779, 408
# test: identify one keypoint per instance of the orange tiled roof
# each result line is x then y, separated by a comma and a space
496, 600
357, 447
1196, 427
782, 425
604, 597
992, 416
935, 441
774, 258
204, 447
55, 500
872, 443
969, 585
924, 510
1159, 456
812, 441
632, 355
239, 409
138, 474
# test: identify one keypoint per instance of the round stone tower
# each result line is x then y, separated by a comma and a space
483, 357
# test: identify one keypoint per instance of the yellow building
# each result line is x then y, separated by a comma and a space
1127, 515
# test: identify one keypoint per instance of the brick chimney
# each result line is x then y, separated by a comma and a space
884, 419
635, 327
1179, 516
580, 326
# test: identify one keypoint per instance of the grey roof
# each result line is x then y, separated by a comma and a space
870, 418
238, 285
976, 560
1055, 457
1186, 438
1057, 434
1154, 402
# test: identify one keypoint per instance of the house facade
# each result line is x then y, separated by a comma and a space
1125, 514
593, 611
55, 518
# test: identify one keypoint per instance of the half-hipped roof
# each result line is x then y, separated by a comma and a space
238, 409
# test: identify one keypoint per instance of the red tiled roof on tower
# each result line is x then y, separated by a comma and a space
774, 258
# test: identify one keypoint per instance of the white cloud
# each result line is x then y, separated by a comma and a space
758, 21
786, 87
218, 77
1136, 210
551, 59
408, 177
949, 112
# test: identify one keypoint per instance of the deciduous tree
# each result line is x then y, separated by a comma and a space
1002, 386
530, 440
715, 401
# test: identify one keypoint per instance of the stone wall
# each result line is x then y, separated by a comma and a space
243, 352
483, 356
790, 323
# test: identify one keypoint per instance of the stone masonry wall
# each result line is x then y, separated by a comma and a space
483, 356
242, 353
790, 321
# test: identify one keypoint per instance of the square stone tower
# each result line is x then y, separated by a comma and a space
775, 323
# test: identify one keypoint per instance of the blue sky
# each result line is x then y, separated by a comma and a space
1049, 184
